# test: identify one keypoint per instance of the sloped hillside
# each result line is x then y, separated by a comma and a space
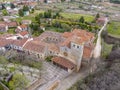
108, 78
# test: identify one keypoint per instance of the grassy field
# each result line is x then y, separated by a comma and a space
114, 29
77, 16
30, 17
106, 49
11, 31
65, 15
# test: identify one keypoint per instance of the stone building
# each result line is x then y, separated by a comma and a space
69, 49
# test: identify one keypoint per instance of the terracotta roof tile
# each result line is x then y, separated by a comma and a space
12, 24
23, 33
63, 62
20, 42
77, 36
23, 26
4, 42
34, 47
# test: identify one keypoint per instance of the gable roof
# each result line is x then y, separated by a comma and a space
34, 47
12, 24
63, 62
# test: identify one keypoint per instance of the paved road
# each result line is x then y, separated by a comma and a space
97, 50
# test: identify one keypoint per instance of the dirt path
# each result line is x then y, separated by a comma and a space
97, 50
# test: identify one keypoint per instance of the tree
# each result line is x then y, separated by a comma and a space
57, 15
82, 20
97, 16
41, 15
4, 12
32, 10
56, 24
3, 62
65, 26
48, 14
12, 5
21, 13
18, 82
37, 18
25, 8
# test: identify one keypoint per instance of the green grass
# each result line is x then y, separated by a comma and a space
114, 29
29, 17
11, 31
77, 16
1, 87
25, 18
55, 29
106, 49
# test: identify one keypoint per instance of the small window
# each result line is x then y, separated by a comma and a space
74, 45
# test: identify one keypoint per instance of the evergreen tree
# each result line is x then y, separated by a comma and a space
97, 16
12, 5
48, 14
4, 12
25, 8
82, 20
21, 13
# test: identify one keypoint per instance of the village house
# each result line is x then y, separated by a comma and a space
21, 28
3, 43
26, 22
12, 24
3, 28
36, 49
12, 11
7, 18
100, 21
23, 34
72, 48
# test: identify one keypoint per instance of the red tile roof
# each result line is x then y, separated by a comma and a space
67, 34
101, 20
53, 47
19, 42
23, 33
77, 36
87, 51
4, 42
23, 26
12, 24
63, 62
34, 47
